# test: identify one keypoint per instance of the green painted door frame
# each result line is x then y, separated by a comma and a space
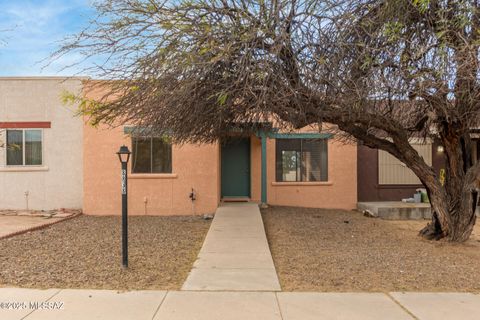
235, 167
263, 138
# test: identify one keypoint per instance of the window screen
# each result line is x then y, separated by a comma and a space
393, 171
301, 160
151, 155
33, 147
14, 147
24, 147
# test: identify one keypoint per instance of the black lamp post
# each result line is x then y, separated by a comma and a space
124, 156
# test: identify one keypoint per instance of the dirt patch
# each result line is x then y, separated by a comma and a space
85, 252
336, 250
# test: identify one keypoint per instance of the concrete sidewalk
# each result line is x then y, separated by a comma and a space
70, 304
235, 255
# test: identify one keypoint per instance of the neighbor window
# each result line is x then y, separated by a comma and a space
393, 171
24, 147
301, 160
151, 155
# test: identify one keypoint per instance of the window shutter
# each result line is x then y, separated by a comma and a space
393, 171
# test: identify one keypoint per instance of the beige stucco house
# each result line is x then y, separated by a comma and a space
41, 160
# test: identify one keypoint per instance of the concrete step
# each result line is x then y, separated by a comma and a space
397, 210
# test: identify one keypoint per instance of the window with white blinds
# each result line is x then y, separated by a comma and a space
393, 171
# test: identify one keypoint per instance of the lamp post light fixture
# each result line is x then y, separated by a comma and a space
124, 156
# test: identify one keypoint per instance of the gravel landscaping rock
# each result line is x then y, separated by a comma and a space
85, 252
336, 250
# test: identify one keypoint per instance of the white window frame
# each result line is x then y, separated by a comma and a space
23, 148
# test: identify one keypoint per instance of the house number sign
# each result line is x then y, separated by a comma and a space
124, 181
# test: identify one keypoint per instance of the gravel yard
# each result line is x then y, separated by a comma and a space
336, 250
85, 252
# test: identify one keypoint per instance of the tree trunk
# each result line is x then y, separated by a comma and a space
459, 226
454, 203
463, 218
453, 217
433, 230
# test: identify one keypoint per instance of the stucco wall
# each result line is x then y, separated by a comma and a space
58, 182
368, 187
193, 166
198, 166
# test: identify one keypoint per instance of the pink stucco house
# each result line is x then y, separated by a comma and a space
321, 172
305, 168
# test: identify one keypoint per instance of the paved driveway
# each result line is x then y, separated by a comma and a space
14, 224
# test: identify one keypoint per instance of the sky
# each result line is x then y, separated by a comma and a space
30, 30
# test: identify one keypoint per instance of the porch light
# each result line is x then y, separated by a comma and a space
124, 156
440, 149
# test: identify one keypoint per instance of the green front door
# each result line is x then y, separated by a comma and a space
236, 167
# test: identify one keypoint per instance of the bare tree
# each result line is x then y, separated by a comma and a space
382, 71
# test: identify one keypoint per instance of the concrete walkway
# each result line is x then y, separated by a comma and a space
31, 304
235, 255
10, 225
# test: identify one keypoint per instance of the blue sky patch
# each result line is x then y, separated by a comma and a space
31, 30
